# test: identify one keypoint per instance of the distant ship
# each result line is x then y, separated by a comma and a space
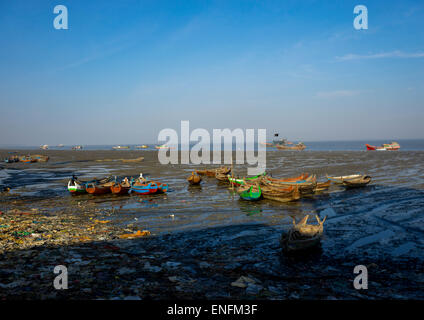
60, 145
283, 144
120, 147
384, 147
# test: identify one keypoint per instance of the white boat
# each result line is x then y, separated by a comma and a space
44, 147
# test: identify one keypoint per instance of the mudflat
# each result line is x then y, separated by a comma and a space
203, 238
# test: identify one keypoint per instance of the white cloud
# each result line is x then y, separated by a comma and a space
392, 54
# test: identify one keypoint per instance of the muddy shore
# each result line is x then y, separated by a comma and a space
203, 239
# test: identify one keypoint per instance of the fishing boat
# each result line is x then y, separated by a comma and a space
120, 147
299, 146
306, 186
144, 188
44, 147
77, 148
221, 177
340, 179
213, 172
40, 158
162, 187
384, 147
75, 186
99, 188
358, 182
302, 235
142, 147
240, 181
194, 178
281, 194
26, 159
250, 193
322, 186
122, 187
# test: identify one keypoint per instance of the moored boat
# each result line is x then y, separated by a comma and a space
357, 183
98, 188
194, 178
122, 187
384, 147
144, 188
340, 179
250, 193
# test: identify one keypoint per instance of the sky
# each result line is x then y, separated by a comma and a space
124, 70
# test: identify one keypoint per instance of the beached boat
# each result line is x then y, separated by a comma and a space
99, 188
306, 186
75, 186
340, 179
139, 159
77, 148
144, 188
281, 194
322, 186
194, 178
122, 187
250, 193
384, 147
26, 159
142, 147
302, 235
162, 187
44, 147
221, 177
358, 182
212, 172
240, 181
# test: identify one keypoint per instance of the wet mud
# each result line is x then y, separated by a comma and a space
203, 238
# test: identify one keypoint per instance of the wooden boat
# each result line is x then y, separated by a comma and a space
194, 178
281, 194
162, 187
302, 177
76, 187
340, 179
240, 181
384, 147
299, 146
144, 188
322, 186
122, 187
356, 183
221, 177
302, 235
306, 186
26, 159
250, 193
213, 172
98, 188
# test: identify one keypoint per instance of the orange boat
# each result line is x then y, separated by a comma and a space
121, 188
385, 147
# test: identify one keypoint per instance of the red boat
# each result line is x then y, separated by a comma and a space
385, 147
97, 188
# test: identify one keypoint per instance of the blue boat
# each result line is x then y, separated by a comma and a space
144, 189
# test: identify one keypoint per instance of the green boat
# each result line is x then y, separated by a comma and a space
239, 182
251, 195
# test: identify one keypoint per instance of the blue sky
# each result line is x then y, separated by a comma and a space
125, 70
